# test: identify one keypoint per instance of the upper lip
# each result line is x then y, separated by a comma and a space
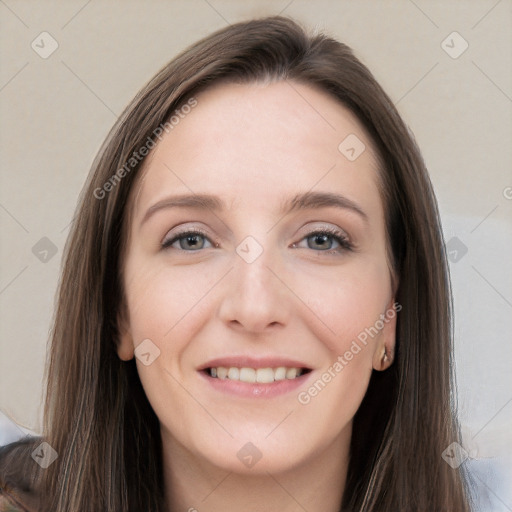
253, 362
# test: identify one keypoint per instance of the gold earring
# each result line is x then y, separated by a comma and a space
386, 358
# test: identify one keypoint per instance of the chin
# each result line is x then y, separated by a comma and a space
247, 458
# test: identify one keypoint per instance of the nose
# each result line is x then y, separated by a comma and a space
255, 298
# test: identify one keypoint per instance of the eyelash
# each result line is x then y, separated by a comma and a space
338, 236
166, 244
335, 234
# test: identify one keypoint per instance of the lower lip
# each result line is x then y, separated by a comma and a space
254, 389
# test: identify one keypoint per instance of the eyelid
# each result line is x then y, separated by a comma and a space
170, 239
327, 228
341, 237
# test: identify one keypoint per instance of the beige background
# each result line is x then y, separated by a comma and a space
56, 111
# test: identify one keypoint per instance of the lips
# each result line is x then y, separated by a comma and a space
254, 376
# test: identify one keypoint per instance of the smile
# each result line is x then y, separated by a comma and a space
250, 377
259, 375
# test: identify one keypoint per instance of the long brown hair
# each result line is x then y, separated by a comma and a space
97, 416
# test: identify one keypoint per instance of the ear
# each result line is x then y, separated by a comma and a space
385, 348
125, 347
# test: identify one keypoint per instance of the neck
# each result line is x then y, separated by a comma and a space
316, 484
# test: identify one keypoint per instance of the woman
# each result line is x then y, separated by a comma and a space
254, 310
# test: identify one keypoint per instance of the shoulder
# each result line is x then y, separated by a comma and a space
19, 474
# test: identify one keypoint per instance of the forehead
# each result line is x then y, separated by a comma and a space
254, 143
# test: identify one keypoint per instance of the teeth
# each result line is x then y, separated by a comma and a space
264, 375
222, 373
251, 375
234, 373
247, 374
291, 373
280, 373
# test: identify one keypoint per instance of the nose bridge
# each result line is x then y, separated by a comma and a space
254, 297
254, 277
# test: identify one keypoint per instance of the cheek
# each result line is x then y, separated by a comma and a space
333, 398
160, 298
348, 305
166, 306
351, 309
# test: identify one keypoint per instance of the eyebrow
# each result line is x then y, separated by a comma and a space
310, 200
303, 201
195, 201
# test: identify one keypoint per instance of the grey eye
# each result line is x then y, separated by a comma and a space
188, 241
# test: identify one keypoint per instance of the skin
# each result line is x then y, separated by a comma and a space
254, 146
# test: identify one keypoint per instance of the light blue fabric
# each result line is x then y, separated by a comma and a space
11, 431
491, 484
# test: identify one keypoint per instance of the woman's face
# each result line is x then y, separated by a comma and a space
256, 277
